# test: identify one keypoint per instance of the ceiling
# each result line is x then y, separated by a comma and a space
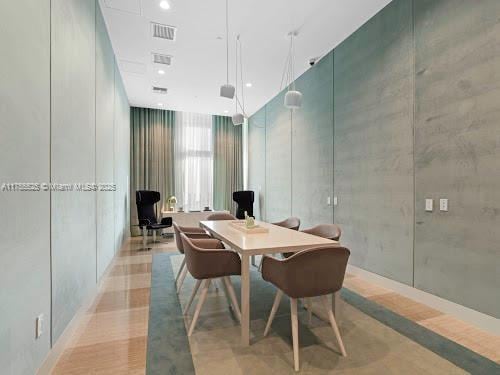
199, 50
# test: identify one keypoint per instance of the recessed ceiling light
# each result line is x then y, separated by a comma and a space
160, 104
161, 72
164, 5
226, 111
248, 84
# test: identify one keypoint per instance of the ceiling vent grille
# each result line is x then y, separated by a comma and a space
163, 31
160, 90
162, 59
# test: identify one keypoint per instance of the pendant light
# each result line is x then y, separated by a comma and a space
227, 90
239, 117
293, 97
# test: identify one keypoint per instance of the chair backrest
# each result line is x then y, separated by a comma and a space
220, 216
145, 201
198, 261
244, 200
330, 231
290, 223
178, 239
315, 272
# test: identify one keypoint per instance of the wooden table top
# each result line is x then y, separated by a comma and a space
277, 240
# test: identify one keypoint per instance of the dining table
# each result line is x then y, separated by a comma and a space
272, 239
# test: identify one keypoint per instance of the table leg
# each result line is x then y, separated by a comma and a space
245, 300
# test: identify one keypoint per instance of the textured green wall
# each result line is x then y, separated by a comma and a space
278, 160
457, 150
312, 146
75, 129
257, 161
415, 116
374, 142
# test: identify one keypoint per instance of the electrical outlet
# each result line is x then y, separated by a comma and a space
428, 205
335, 201
443, 205
39, 326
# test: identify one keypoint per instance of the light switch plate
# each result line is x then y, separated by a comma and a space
335, 201
428, 205
443, 204
328, 201
39, 326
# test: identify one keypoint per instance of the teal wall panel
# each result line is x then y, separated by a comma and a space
105, 101
415, 116
312, 146
278, 160
457, 151
257, 161
374, 143
73, 215
24, 157
77, 112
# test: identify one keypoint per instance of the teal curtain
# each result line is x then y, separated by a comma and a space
152, 156
228, 162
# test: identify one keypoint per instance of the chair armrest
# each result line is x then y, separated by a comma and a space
218, 262
191, 230
166, 221
272, 269
206, 243
199, 236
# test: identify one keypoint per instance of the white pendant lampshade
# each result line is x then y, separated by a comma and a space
238, 119
293, 99
227, 91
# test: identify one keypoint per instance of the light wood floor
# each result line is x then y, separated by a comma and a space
112, 337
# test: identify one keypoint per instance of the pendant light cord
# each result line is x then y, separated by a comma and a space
227, 41
236, 63
241, 75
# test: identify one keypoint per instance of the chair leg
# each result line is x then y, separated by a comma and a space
191, 299
295, 333
226, 293
201, 301
154, 236
181, 278
183, 264
309, 309
232, 295
333, 323
276, 304
144, 238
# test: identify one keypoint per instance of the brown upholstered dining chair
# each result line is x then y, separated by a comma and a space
220, 216
191, 232
308, 273
290, 223
207, 260
330, 231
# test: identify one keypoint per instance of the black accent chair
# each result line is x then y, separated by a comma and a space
145, 201
244, 199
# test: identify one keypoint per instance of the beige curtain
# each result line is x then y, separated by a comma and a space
228, 162
152, 156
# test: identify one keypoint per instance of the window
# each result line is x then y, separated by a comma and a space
193, 160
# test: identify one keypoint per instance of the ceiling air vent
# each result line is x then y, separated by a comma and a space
159, 90
163, 31
162, 59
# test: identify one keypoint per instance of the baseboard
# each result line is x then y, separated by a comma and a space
485, 322
63, 340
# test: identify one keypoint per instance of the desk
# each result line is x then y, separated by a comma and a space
277, 240
188, 219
